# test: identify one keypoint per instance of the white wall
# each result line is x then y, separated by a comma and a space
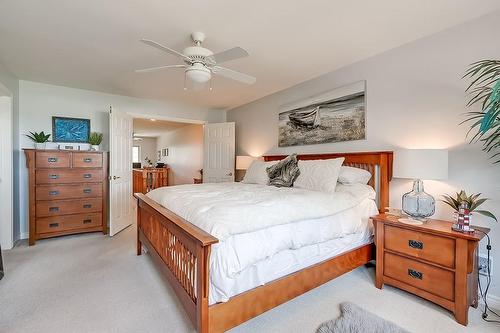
415, 99
147, 149
38, 102
11, 83
185, 156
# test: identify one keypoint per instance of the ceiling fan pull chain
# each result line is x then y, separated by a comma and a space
211, 89
185, 88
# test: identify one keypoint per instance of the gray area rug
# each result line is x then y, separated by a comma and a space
354, 319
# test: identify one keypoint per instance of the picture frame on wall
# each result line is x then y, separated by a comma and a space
164, 152
75, 130
335, 116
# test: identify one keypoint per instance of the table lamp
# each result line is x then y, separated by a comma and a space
419, 164
243, 162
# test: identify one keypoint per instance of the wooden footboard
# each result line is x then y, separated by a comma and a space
181, 251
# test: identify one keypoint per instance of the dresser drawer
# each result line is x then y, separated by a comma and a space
87, 160
68, 222
64, 176
49, 159
439, 250
65, 207
54, 192
437, 281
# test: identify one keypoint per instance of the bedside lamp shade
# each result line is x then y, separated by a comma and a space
243, 162
421, 164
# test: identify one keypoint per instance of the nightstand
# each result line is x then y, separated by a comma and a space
430, 261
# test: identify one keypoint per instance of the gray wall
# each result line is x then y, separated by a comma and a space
415, 99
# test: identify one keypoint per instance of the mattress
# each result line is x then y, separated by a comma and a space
224, 285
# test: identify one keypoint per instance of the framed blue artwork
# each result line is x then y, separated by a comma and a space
70, 129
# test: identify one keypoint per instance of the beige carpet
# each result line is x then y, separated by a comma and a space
93, 283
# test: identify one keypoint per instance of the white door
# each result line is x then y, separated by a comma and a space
6, 175
121, 206
218, 164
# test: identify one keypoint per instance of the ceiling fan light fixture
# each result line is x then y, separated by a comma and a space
198, 73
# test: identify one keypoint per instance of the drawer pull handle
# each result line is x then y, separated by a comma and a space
54, 192
87, 190
415, 274
87, 206
87, 175
87, 160
54, 176
52, 159
415, 244
53, 209
87, 221
53, 225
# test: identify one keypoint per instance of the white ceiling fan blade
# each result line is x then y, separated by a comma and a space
234, 75
231, 54
152, 69
164, 48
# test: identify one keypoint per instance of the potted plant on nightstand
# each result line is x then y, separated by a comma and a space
464, 206
39, 139
95, 140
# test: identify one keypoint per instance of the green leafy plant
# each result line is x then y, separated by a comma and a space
95, 138
485, 91
473, 202
38, 137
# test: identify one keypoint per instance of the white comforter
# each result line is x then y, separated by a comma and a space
228, 209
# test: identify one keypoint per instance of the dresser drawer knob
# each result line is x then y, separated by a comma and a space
87, 206
87, 190
54, 192
415, 244
53, 209
415, 274
87, 221
52, 159
87, 160
53, 225
87, 175
54, 176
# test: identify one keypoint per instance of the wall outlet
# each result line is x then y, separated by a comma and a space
483, 265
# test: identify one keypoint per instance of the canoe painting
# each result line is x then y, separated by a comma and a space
333, 120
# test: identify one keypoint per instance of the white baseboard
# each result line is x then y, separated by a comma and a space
493, 301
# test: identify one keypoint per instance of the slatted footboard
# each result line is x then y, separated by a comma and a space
181, 251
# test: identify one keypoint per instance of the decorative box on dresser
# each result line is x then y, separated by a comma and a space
68, 192
430, 261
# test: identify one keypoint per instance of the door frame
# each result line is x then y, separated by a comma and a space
7, 171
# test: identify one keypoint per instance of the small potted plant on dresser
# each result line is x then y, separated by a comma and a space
95, 140
464, 206
40, 139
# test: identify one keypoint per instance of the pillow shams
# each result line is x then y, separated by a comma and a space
351, 175
256, 173
319, 175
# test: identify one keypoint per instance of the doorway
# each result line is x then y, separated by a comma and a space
6, 169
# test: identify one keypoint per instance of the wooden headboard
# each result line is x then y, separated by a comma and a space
379, 164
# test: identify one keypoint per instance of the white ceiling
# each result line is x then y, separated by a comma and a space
149, 128
94, 44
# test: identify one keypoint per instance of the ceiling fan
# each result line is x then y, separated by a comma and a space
200, 63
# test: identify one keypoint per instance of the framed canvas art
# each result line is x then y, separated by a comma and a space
70, 129
338, 115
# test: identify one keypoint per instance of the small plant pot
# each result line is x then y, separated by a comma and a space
95, 147
39, 145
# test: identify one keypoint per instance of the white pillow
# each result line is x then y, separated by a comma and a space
360, 191
256, 173
319, 175
351, 175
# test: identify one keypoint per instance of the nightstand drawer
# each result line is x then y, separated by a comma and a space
434, 280
439, 250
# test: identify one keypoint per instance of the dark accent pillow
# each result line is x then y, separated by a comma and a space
284, 173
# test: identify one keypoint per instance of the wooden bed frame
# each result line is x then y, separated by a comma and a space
182, 251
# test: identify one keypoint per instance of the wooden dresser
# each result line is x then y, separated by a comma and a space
68, 192
429, 260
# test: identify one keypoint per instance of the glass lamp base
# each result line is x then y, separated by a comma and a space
417, 203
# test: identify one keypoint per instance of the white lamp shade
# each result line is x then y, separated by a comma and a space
243, 162
421, 164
